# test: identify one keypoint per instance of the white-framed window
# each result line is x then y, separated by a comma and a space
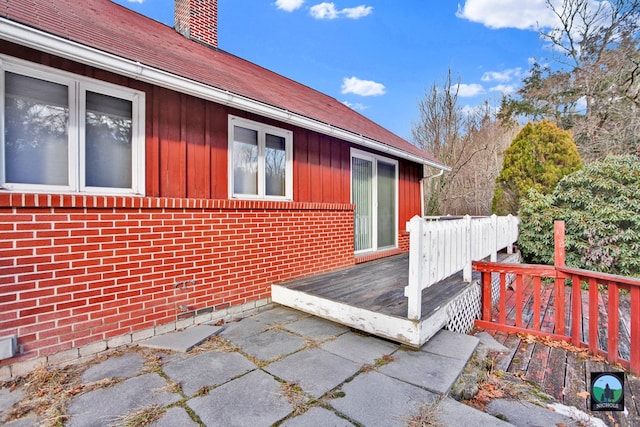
260, 160
67, 133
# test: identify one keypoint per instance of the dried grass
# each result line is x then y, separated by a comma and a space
140, 418
296, 397
152, 362
384, 360
377, 363
103, 383
427, 416
48, 391
216, 343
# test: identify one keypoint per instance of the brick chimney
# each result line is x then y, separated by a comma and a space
197, 20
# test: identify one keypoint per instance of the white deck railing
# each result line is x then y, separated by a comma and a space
441, 248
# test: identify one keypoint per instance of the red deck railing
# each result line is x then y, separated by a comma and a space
579, 306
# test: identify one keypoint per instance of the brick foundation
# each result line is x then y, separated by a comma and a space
77, 270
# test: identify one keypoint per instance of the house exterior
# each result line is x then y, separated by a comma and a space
150, 181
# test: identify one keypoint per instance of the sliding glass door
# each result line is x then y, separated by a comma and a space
374, 192
362, 197
386, 202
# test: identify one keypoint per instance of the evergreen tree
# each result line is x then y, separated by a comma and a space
537, 159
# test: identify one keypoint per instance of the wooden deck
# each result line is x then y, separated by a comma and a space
370, 297
377, 286
559, 369
547, 315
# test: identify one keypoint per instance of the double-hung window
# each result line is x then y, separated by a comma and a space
66, 133
260, 159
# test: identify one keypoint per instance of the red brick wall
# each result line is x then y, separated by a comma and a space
77, 269
403, 238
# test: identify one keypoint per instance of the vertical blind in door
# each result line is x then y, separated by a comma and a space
362, 189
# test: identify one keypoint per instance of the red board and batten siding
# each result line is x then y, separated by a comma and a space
76, 269
187, 156
186, 147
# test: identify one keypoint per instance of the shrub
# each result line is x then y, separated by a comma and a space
536, 220
600, 205
537, 159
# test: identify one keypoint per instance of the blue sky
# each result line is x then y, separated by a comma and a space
380, 56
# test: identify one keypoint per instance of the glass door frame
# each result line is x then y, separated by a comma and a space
374, 158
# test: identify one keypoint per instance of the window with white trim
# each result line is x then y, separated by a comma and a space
67, 133
260, 160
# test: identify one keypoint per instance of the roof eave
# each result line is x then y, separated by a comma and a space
37, 39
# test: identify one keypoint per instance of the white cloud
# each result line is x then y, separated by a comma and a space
524, 15
536, 15
504, 89
362, 87
467, 90
324, 11
355, 106
327, 10
357, 12
289, 5
136, 1
502, 76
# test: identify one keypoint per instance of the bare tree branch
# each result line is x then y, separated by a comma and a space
470, 143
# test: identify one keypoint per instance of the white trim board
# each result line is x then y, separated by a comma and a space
405, 331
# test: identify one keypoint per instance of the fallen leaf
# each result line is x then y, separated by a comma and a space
583, 394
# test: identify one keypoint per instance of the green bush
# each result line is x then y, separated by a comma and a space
535, 239
537, 159
600, 205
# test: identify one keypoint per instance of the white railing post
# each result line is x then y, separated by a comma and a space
513, 225
494, 236
413, 290
466, 272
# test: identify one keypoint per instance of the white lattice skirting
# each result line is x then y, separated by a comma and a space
465, 309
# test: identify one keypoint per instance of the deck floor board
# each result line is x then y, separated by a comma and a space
378, 286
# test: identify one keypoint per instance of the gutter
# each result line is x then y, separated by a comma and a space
37, 39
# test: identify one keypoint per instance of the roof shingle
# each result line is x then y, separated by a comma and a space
112, 28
